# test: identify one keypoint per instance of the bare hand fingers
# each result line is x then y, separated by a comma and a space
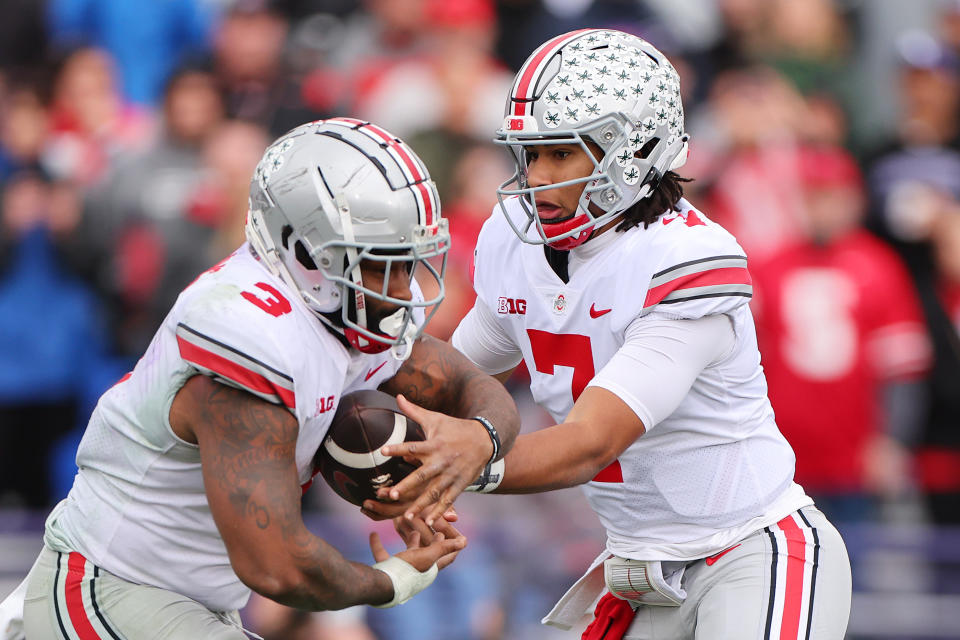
427, 555
433, 514
415, 412
447, 560
442, 493
442, 526
417, 525
428, 500
413, 484
376, 510
405, 529
415, 450
413, 540
454, 546
376, 547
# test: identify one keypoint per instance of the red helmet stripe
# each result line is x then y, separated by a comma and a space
397, 145
416, 173
386, 136
533, 68
427, 203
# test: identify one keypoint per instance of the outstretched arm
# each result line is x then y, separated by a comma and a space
446, 390
655, 368
247, 448
598, 429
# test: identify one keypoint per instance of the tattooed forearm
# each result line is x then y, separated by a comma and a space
248, 460
433, 376
260, 513
440, 378
436, 376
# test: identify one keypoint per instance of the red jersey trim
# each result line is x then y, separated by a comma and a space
242, 370
708, 278
612, 473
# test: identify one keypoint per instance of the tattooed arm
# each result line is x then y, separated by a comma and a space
435, 383
247, 448
438, 377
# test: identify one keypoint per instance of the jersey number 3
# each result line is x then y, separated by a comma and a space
274, 303
570, 350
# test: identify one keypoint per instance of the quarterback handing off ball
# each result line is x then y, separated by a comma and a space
349, 458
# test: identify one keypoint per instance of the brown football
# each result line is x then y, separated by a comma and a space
349, 458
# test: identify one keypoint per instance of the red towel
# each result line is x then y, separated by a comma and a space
611, 619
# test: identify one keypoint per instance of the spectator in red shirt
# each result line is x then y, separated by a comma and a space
843, 344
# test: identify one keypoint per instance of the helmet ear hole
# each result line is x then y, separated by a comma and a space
285, 236
303, 257
647, 148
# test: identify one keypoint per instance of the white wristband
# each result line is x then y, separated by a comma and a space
407, 581
490, 478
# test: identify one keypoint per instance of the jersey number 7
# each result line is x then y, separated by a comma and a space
570, 350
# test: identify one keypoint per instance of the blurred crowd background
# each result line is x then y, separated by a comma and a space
825, 136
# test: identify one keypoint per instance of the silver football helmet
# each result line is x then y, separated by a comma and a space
332, 193
613, 89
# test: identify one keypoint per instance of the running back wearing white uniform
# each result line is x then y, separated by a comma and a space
712, 468
138, 507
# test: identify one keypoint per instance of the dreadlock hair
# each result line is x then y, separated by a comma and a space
663, 199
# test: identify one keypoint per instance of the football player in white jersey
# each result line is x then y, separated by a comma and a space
192, 466
630, 309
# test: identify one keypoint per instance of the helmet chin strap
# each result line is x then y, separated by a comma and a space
355, 276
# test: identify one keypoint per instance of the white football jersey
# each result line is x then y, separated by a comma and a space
716, 467
138, 507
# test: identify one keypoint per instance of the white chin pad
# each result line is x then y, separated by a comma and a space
391, 324
681, 158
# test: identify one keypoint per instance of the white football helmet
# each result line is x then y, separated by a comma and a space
613, 89
332, 193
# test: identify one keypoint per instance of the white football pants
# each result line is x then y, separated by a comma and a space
68, 598
790, 581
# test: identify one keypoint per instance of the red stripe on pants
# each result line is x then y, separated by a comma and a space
73, 594
796, 559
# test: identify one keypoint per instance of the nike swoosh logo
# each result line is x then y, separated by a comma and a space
596, 313
712, 559
372, 372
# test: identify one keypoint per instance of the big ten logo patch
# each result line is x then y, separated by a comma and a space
516, 306
324, 405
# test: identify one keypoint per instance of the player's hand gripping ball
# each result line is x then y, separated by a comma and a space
349, 458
